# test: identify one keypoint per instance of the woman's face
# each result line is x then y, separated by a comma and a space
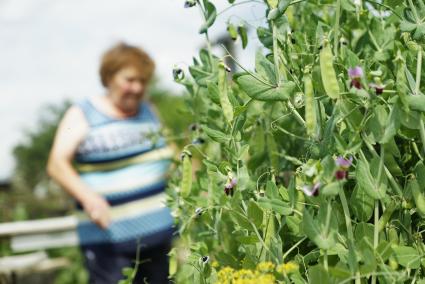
126, 89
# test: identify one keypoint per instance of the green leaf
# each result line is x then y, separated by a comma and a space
416, 102
265, 68
348, 6
283, 5
271, 190
265, 37
247, 240
293, 223
241, 221
331, 189
213, 93
384, 249
367, 183
352, 59
255, 213
361, 204
275, 205
314, 232
318, 275
264, 92
364, 230
216, 135
210, 15
407, 256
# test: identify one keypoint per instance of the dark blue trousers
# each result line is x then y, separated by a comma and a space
105, 262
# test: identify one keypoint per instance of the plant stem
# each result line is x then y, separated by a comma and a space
336, 27
246, 70
255, 231
298, 117
327, 225
390, 177
325, 261
275, 54
422, 132
292, 248
206, 33
348, 225
417, 92
346, 214
375, 233
295, 2
418, 71
376, 219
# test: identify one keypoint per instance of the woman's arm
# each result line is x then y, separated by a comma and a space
70, 133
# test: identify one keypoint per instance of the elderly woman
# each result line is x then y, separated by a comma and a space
109, 156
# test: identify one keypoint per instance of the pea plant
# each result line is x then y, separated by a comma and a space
310, 168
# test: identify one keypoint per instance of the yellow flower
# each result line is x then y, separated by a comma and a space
225, 275
243, 274
265, 266
266, 279
288, 268
215, 264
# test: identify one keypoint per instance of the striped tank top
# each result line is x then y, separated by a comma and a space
126, 161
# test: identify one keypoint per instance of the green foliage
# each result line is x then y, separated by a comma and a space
32, 154
328, 159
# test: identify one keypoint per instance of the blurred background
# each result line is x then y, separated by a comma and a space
49, 54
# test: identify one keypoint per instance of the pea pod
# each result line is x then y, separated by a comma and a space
232, 31
272, 151
244, 36
392, 262
387, 215
269, 232
417, 196
330, 82
401, 85
186, 183
299, 206
310, 109
223, 93
393, 235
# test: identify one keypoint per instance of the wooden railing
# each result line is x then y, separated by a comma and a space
35, 235
40, 234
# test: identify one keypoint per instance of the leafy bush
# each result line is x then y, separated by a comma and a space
313, 158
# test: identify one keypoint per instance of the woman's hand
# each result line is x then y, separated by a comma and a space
97, 208
71, 131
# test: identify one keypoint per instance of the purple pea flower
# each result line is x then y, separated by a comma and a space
379, 88
230, 185
228, 188
341, 174
355, 74
343, 163
311, 190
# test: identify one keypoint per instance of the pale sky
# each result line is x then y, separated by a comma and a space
50, 49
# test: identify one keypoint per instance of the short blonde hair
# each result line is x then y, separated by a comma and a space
124, 55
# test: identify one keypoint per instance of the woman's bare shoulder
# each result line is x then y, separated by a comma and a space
71, 130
